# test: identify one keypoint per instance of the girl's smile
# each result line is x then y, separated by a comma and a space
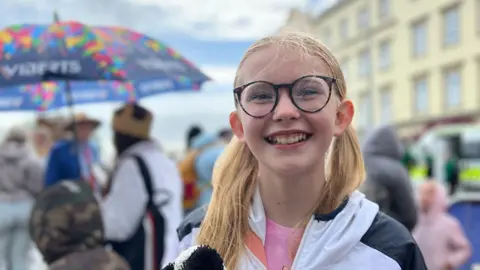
288, 139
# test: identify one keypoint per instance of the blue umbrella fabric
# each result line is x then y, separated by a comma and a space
102, 64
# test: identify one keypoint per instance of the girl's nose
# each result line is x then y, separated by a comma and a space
285, 109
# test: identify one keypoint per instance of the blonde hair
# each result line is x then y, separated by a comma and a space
234, 177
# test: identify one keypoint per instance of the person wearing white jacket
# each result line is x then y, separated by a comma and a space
284, 189
142, 206
21, 180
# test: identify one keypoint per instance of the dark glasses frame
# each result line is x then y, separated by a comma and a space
330, 82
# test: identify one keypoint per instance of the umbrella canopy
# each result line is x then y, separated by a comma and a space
28, 51
100, 63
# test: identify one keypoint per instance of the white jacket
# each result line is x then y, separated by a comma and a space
124, 207
21, 173
354, 236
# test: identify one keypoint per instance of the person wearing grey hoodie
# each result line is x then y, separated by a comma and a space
388, 183
21, 180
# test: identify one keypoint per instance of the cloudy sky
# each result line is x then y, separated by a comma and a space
214, 34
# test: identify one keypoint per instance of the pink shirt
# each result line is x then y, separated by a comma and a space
279, 243
440, 236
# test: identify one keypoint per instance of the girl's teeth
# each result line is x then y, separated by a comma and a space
288, 139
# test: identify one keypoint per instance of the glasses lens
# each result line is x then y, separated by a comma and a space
311, 93
258, 99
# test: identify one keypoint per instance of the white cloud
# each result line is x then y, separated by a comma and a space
209, 19
222, 75
233, 19
244, 19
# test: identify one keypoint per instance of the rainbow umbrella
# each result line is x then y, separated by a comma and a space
95, 64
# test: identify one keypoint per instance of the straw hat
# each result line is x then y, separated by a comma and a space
81, 118
133, 120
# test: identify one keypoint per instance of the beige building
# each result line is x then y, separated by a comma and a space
410, 63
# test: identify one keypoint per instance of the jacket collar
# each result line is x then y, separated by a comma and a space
258, 220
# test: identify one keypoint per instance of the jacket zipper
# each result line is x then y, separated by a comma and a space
302, 243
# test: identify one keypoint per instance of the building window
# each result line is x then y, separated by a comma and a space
363, 18
453, 92
451, 26
366, 111
421, 95
386, 106
419, 36
344, 29
383, 9
364, 63
385, 55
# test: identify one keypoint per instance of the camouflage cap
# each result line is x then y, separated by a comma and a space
66, 218
95, 259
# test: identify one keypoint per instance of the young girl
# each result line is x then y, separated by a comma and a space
285, 188
438, 234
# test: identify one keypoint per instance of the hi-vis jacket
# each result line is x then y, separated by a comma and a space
354, 236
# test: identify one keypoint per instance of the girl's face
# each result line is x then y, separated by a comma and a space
288, 140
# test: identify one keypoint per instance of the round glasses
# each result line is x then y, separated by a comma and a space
309, 94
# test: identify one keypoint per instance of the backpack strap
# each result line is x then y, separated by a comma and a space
147, 179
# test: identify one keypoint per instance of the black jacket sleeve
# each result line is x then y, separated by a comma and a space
389, 237
413, 259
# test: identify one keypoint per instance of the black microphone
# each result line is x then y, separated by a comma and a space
197, 258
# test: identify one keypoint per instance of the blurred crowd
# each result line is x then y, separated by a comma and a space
422, 210
53, 195
53, 190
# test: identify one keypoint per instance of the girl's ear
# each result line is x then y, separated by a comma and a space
344, 116
236, 125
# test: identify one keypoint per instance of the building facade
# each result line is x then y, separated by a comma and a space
408, 63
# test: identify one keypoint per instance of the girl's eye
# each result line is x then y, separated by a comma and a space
259, 92
260, 97
307, 92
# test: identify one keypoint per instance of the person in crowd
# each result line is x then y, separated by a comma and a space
66, 226
74, 158
193, 132
408, 160
452, 174
210, 148
196, 170
285, 187
225, 135
42, 141
429, 162
388, 183
142, 206
438, 234
56, 125
21, 180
